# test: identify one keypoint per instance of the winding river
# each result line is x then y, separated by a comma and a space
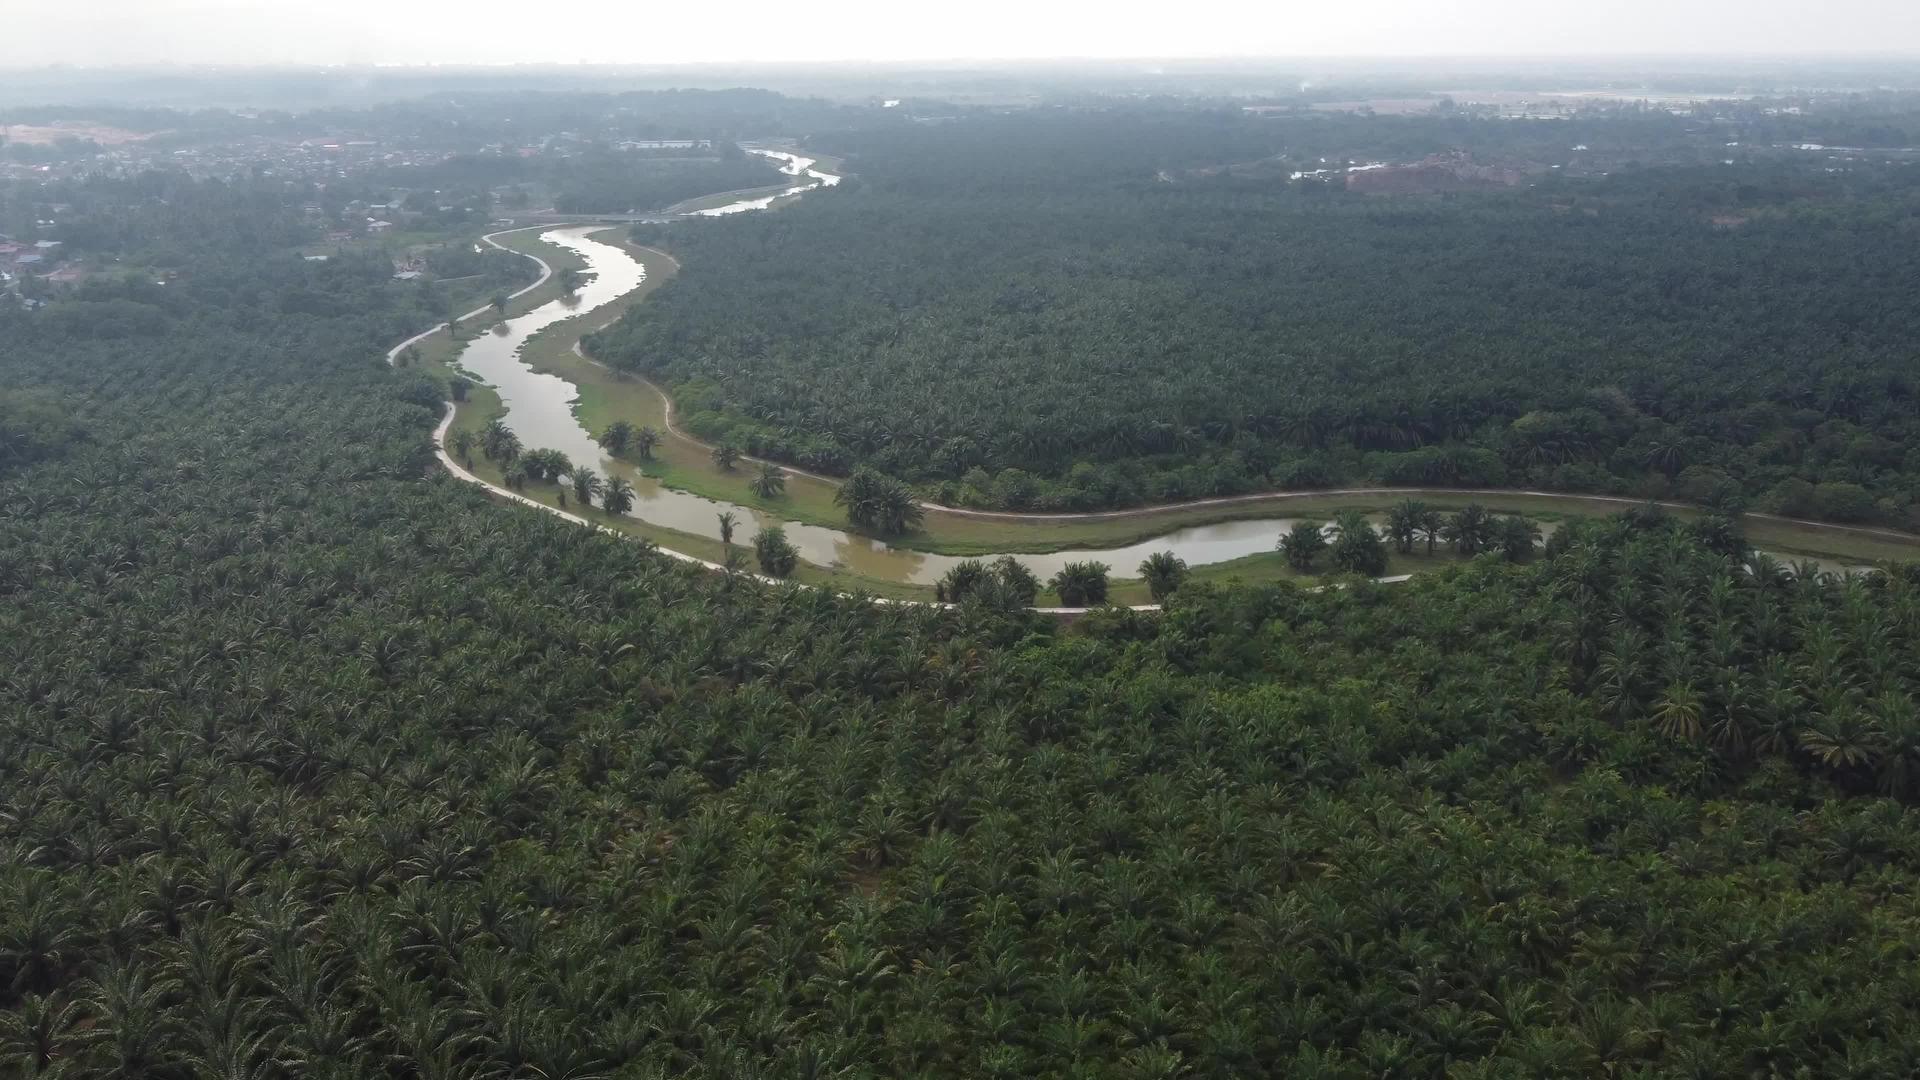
540, 410
795, 166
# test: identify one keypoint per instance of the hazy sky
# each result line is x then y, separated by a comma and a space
37, 32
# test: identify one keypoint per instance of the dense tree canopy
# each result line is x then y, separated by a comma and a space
1024, 313
317, 763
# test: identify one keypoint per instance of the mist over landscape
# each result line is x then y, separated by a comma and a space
1019, 541
756, 32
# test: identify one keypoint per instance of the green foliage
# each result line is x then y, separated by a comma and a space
618, 438
546, 466
34, 426
1081, 584
878, 503
461, 444
776, 555
312, 765
769, 482
1163, 571
1518, 538
1357, 547
1302, 544
1405, 524
617, 496
498, 442
586, 484
1004, 585
1471, 529
961, 581
622, 437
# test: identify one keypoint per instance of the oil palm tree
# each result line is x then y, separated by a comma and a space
618, 438
498, 442
460, 444
775, 553
546, 465
39, 1034
878, 502
725, 456
1896, 724
1471, 529
1081, 584
899, 511
769, 483
1404, 524
1679, 712
516, 474
1302, 544
1841, 738
1018, 582
1163, 572
1357, 547
618, 497
960, 581
586, 484
733, 564
1517, 537
727, 524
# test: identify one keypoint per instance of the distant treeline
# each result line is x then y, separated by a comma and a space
595, 181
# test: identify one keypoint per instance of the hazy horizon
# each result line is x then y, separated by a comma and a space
280, 33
